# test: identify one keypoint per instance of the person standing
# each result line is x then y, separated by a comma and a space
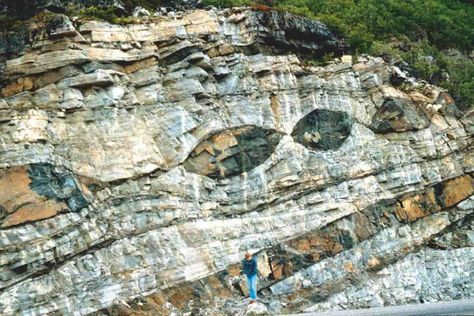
250, 270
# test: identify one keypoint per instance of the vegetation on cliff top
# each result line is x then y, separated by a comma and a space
417, 31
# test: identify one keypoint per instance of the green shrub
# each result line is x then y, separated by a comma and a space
147, 4
110, 14
95, 13
461, 82
321, 61
425, 59
7, 22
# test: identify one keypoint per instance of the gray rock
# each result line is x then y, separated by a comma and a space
275, 307
59, 26
188, 149
397, 115
139, 12
256, 309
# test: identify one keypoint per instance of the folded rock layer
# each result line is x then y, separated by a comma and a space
139, 162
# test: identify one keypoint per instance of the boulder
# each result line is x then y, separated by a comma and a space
256, 309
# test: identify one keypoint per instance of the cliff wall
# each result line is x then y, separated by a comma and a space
139, 162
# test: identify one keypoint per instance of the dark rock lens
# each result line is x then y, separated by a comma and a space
232, 152
397, 115
323, 129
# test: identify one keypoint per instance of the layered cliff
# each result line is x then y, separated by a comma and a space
138, 163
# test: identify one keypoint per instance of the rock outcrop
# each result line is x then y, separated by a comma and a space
139, 162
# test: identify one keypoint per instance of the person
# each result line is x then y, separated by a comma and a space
250, 270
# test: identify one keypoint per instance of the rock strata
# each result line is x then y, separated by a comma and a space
139, 162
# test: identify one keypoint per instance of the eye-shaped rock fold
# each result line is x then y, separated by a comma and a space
323, 129
233, 151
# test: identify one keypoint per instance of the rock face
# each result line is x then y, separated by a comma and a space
139, 162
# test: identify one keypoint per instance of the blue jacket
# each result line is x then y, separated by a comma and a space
249, 266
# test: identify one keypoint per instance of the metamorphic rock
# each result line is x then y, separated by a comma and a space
138, 162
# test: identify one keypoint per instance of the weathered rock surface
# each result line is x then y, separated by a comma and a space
139, 162
398, 116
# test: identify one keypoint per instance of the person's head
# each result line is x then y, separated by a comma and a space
248, 255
